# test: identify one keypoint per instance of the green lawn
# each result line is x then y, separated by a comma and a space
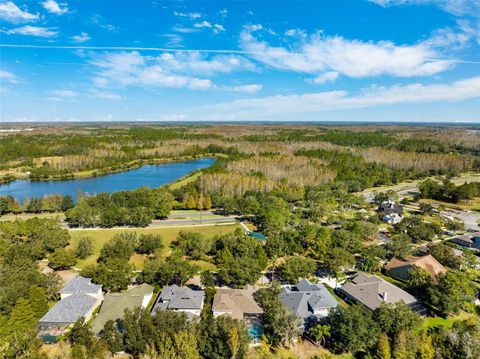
101, 236
445, 322
184, 181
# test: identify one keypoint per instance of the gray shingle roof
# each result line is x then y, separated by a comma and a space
80, 285
305, 297
372, 291
175, 297
70, 309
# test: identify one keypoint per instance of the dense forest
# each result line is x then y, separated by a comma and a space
64, 152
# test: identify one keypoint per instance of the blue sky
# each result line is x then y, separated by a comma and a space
372, 60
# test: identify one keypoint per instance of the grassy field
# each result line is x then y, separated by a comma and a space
472, 205
186, 180
101, 236
25, 216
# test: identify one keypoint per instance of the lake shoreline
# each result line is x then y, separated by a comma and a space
132, 165
154, 174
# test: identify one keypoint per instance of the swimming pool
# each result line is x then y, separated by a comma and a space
255, 331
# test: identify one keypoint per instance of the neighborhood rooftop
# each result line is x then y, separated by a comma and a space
372, 291
70, 309
306, 299
179, 298
398, 268
80, 285
237, 303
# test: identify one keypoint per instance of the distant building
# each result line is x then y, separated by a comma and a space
469, 240
306, 299
182, 299
79, 298
392, 218
389, 207
398, 268
372, 291
114, 304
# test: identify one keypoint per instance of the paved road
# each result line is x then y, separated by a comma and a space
411, 187
468, 217
167, 223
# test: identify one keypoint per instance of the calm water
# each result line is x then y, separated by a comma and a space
149, 175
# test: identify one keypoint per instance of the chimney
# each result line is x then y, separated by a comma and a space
383, 295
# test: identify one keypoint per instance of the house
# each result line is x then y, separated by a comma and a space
392, 218
389, 207
114, 304
398, 268
236, 303
371, 291
239, 304
78, 299
469, 240
306, 299
182, 299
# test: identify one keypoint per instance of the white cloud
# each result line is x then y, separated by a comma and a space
325, 77
184, 30
223, 13
63, 93
218, 28
99, 21
197, 63
53, 7
82, 37
456, 7
12, 13
296, 33
133, 69
32, 31
283, 105
247, 89
8, 77
190, 15
354, 58
173, 70
202, 24
105, 95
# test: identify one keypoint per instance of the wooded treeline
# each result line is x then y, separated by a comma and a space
59, 154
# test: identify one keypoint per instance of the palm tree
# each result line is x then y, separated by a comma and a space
319, 333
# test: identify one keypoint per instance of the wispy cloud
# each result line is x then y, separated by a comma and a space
456, 7
246, 89
319, 53
324, 78
133, 69
12, 13
82, 37
273, 107
8, 77
105, 95
100, 21
175, 70
190, 15
32, 31
202, 24
63, 93
54, 7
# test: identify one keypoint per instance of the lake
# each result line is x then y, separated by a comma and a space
148, 175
